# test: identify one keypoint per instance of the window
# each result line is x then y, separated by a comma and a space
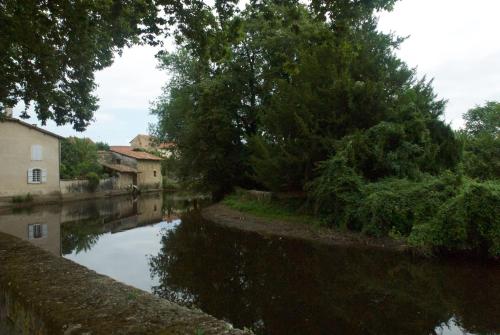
36, 152
118, 161
37, 176
154, 173
37, 231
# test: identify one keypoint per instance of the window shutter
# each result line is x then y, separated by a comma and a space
44, 176
45, 230
36, 152
30, 176
30, 232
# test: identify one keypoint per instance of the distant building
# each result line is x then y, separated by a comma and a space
133, 167
29, 159
146, 142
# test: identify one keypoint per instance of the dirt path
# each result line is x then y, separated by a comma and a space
228, 217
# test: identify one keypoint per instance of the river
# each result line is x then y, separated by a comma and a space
161, 244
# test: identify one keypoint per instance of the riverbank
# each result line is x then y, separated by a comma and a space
224, 215
8, 203
41, 293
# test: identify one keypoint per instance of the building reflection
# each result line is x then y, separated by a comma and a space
60, 229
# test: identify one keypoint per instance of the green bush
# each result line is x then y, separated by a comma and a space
93, 179
469, 221
446, 212
336, 193
396, 205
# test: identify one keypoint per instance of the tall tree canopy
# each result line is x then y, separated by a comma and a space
50, 50
286, 86
481, 138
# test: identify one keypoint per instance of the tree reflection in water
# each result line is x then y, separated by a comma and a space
278, 286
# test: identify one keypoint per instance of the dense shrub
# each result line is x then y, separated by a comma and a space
433, 213
403, 149
93, 179
481, 156
469, 221
396, 205
336, 193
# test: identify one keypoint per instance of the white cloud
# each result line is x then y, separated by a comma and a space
456, 42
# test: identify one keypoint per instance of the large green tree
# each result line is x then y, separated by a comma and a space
79, 158
50, 50
285, 83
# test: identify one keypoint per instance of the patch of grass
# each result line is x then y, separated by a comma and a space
269, 209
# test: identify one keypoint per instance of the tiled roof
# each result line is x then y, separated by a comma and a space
129, 151
120, 167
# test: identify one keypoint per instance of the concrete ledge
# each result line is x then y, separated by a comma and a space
44, 294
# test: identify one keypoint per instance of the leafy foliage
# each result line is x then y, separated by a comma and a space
470, 221
485, 119
481, 141
50, 50
288, 97
286, 88
434, 213
93, 179
79, 158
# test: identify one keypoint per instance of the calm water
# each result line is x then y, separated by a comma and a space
272, 286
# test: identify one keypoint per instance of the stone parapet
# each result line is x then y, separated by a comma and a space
44, 294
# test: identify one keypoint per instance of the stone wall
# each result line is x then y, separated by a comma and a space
150, 174
82, 186
44, 294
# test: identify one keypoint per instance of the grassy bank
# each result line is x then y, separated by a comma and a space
435, 215
286, 210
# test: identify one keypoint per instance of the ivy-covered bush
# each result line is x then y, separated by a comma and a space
469, 221
443, 213
336, 193
396, 205
93, 179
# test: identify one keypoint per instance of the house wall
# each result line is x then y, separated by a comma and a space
18, 225
141, 142
145, 177
124, 180
15, 155
110, 157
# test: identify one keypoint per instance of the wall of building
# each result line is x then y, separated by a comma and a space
146, 177
16, 141
141, 141
49, 219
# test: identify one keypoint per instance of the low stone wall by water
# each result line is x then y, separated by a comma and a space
48, 295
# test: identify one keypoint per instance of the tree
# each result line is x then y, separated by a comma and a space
481, 141
50, 50
290, 84
337, 82
79, 158
102, 146
195, 113
485, 119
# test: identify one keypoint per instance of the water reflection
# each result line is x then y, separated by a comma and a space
288, 287
274, 286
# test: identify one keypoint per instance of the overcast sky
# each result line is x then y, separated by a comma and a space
456, 42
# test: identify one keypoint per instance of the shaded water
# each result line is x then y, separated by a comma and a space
272, 286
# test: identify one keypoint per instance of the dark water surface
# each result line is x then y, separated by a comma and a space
160, 243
